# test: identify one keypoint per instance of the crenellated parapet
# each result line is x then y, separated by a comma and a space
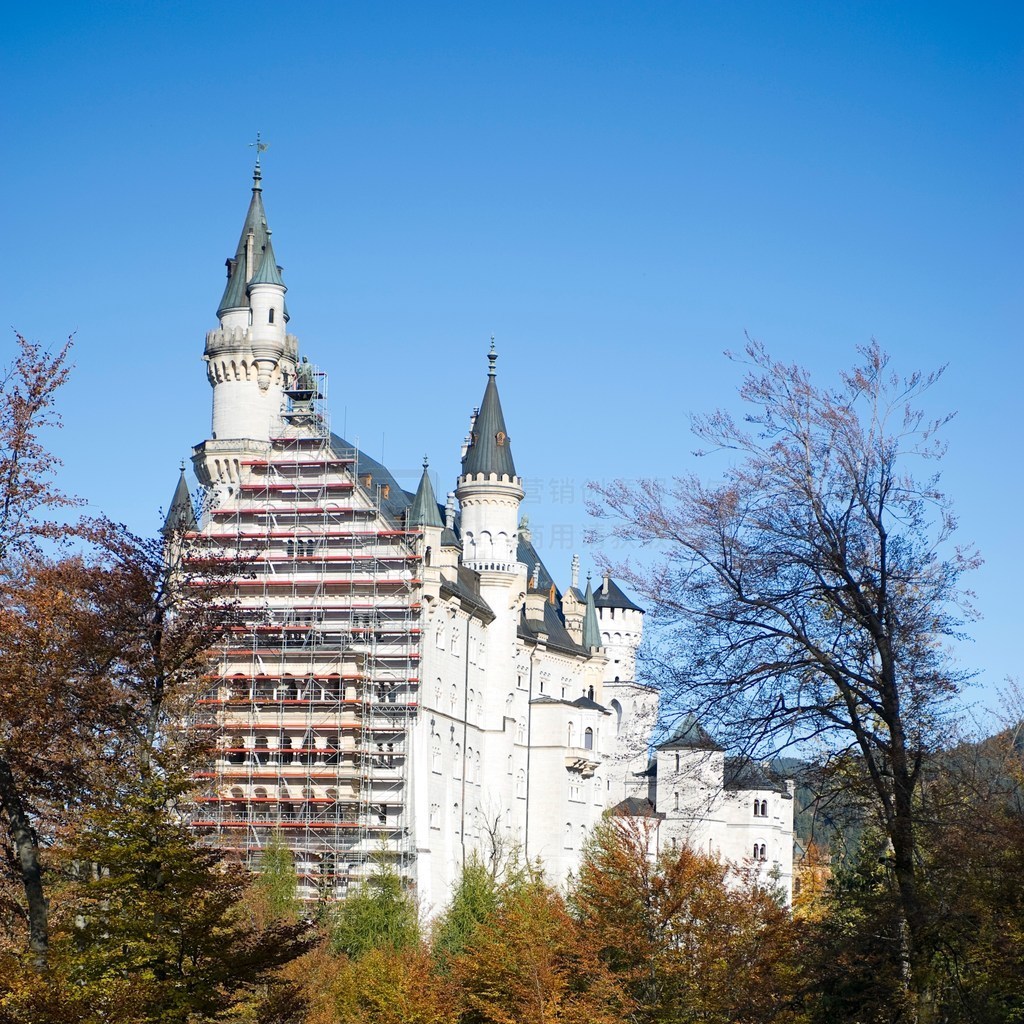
232, 354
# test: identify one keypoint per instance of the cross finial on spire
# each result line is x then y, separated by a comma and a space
261, 147
492, 358
182, 466
426, 462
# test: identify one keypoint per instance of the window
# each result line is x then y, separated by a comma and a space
521, 784
675, 801
572, 733
617, 708
458, 762
435, 814
764, 853
588, 739
435, 754
270, 319
568, 835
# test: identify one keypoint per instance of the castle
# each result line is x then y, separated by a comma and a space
406, 680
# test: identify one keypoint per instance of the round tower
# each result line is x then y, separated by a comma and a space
250, 357
489, 490
622, 626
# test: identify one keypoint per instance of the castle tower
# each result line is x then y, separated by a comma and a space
489, 491
622, 627
250, 357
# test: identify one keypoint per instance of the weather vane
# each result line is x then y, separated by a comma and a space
261, 147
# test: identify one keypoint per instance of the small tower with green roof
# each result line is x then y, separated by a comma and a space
489, 489
250, 357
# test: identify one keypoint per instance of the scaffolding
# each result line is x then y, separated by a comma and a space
313, 694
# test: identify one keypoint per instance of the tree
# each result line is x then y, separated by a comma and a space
100, 647
809, 593
475, 901
44, 625
685, 944
530, 963
380, 914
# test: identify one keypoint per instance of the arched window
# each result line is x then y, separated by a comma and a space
458, 761
757, 808
617, 708
521, 731
764, 852
568, 835
521, 784
271, 316
572, 734
675, 801
469, 764
755, 852
588, 739
435, 754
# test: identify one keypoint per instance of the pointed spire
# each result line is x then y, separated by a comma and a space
423, 510
250, 249
489, 448
591, 630
181, 515
268, 271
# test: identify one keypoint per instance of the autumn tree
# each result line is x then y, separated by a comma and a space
686, 944
807, 595
52, 704
102, 644
530, 963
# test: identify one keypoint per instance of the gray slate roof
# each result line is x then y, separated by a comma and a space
268, 272
690, 735
398, 500
424, 510
743, 774
609, 595
238, 272
490, 450
635, 807
181, 515
591, 630
466, 587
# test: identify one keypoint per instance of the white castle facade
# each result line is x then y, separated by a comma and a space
406, 680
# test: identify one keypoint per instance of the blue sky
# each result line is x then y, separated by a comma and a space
616, 191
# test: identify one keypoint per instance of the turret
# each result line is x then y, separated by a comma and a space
423, 514
621, 624
250, 357
489, 490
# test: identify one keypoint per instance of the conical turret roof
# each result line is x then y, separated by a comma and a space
490, 449
268, 271
181, 515
591, 630
610, 595
240, 272
424, 511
